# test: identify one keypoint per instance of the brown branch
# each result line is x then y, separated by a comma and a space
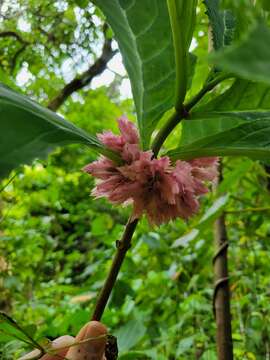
14, 35
16, 55
267, 170
122, 247
85, 79
221, 297
18, 37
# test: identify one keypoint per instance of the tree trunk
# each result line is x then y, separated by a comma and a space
221, 299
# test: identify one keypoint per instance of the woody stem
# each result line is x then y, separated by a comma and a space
122, 247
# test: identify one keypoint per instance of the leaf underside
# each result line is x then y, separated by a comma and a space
29, 131
143, 32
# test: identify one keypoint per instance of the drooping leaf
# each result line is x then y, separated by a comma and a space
214, 211
11, 330
249, 138
250, 59
29, 131
222, 23
143, 32
185, 239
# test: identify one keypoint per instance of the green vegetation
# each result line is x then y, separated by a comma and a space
57, 242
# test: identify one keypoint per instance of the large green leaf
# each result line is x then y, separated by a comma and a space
143, 32
250, 59
243, 95
246, 138
202, 125
29, 131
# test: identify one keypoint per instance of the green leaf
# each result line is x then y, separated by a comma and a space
233, 177
209, 355
120, 290
265, 4
208, 217
249, 59
11, 330
211, 137
243, 95
29, 131
214, 211
133, 355
185, 345
222, 23
130, 334
206, 124
143, 32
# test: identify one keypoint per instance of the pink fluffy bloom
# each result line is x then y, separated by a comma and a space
154, 186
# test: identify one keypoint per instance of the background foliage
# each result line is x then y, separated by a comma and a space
57, 243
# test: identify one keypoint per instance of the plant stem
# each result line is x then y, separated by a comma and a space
180, 52
221, 298
122, 247
165, 131
178, 115
206, 88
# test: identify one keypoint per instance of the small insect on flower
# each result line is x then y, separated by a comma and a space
155, 187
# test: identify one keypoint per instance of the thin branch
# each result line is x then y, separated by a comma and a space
267, 171
14, 35
16, 55
122, 247
8, 182
206, 88
85, 79
18, 37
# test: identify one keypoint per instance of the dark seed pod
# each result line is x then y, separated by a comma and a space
111, 350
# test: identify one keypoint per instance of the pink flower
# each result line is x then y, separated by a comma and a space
156, 188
